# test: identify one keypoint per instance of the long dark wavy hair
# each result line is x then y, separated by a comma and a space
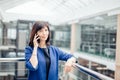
38, 25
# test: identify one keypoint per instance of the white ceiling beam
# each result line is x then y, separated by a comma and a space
10, 4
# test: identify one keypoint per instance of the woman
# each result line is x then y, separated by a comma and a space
42, 58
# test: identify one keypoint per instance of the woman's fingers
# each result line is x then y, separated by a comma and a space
36, 37
69, 64
68, 67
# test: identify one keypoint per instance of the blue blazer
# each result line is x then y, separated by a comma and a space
40, 72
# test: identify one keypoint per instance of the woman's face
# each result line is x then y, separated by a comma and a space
43, 33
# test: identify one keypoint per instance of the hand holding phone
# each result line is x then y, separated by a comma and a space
36, 40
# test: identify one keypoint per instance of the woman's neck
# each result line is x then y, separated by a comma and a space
42, 45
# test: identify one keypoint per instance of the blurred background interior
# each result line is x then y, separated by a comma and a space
89, 29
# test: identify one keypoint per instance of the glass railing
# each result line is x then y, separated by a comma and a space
14, 69
90, 74
81, 73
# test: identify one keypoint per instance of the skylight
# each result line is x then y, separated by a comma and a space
31, 8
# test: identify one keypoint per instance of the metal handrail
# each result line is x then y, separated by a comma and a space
90, 72
11, 59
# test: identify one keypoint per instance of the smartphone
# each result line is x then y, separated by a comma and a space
38, 40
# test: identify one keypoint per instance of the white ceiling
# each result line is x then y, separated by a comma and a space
56, 11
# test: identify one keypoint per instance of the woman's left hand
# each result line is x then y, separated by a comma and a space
69, 64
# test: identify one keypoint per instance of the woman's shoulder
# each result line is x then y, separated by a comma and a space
29, 47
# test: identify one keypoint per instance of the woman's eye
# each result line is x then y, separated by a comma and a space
46, 29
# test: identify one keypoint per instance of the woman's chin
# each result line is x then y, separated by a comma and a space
43, 39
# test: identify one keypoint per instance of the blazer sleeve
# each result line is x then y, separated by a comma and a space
28, 53
63, 55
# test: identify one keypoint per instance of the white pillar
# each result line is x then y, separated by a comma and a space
75, 37
117, 69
